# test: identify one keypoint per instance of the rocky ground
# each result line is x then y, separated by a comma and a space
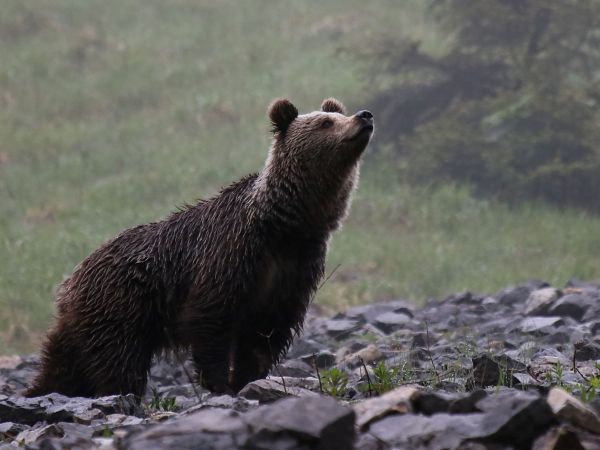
513, 370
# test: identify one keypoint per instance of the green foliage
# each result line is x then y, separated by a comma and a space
334, 382
555, 376
384, 378
160, 403
510, 108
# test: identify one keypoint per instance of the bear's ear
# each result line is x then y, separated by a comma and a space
282, 113
332, 105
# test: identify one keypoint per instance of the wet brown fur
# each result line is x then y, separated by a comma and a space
230, 277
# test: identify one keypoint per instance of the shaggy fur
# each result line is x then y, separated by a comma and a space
229, 278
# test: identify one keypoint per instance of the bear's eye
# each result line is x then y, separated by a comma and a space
327, 123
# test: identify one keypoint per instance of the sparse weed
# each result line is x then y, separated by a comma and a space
160, 403
335, 382
384, 378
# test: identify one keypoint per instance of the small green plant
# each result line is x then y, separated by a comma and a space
335, 382
555, 376
106, 432
384, 378
589, 392
160, 403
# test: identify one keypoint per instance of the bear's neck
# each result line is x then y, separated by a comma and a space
292, 198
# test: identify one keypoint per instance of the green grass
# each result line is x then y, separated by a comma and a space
114, 112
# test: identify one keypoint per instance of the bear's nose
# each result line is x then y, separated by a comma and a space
364, 114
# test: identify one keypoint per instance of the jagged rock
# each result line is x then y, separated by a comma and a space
28, 437
558, 438
370, 354
493, 371
514, 295
588, 351
397, 401
303, 346
269, 390
341, 328
437, 432
324, 359
388, 322
308, 423
515, 417
571, 305
214, 429
10, 429
58, 408
540, 324
468, 404
239, 404
367, 313
568, 408
429, 403
294, 368
540, 300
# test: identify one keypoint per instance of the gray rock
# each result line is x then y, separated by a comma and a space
543, 325
588, 351
294, 368
302, 347
341, 328
540, 300
514, 295
571, 305
397, 401
514, 417
437, 432
494, 371
309, 423
10, 429
558, 438
324, 359
569, 409
270, 390
54, 408
28, 437
210, 429
389, 322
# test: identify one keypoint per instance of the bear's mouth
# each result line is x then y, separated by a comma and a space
366, 129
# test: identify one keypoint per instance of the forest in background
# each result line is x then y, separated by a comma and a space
483, 173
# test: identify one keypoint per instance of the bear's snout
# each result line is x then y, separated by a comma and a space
365, 115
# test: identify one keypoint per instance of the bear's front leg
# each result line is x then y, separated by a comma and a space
214, 361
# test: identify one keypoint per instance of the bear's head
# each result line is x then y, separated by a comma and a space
327, 137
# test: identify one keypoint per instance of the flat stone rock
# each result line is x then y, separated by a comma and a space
341, 328
539, 324
517, 295
568, 408
388, 322
28, 437
54, 408
590, 351
571, 305
558, 438
397, 401
540, 300
270, 390
493, 371
311, 423
210, 429
294, 368
437, 432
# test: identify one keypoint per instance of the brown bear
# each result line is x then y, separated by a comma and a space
229, 278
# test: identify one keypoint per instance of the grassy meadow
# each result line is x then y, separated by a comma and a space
112, 113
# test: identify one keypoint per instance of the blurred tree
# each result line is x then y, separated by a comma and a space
511, 107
